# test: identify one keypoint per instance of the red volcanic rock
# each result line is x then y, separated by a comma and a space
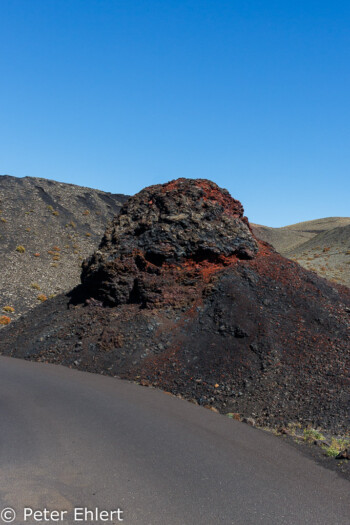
180, 222
201, 309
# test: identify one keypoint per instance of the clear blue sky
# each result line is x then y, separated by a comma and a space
121, 94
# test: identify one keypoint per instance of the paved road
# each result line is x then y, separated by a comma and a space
71, 439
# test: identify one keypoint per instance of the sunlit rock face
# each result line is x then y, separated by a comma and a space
184, 221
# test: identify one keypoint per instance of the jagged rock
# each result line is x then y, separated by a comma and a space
184, 220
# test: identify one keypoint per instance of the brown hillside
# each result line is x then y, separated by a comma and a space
321, 245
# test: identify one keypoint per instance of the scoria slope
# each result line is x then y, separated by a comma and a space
182, 296
46, 229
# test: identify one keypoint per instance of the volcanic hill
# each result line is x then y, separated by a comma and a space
46, 229
181, 295
321, 245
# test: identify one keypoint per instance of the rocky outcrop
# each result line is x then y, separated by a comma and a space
162, 226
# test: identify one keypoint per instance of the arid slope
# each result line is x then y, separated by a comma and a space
46, 229
322, 245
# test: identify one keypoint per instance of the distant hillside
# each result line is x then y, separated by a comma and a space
322, 245
46, 229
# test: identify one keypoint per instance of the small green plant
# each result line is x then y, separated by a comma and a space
35, 286
336, 446
331, 452
56, 213
41, 297
293, 428
310, 434
20, 249
234, 415
50, 208
2, 219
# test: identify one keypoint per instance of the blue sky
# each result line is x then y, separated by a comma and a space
121, 94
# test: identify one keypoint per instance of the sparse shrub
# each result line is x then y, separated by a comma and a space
336, 446
52, 210
35, 286
56, 248
36, 254
20, 249
294, 427
311, 434
331, 451
41, 297
56, 258
86, 212
234, 415
88, 234
72, 224
326, 249
2, 219
8, 309
4, 319
27, 229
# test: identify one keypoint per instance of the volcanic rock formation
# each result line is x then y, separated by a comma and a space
165, 225
182, 296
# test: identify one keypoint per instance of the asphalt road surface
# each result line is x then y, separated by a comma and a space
71, 440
